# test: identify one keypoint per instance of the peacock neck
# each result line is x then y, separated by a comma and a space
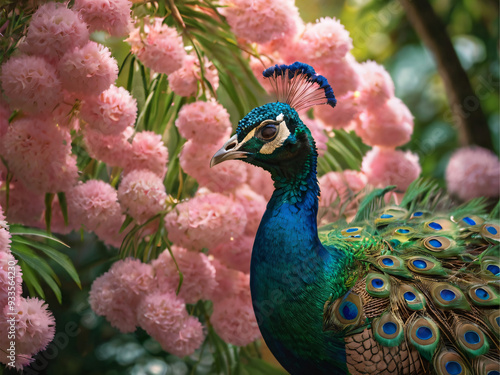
293, 207
291, 276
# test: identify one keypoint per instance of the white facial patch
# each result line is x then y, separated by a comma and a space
280, 117
283, 134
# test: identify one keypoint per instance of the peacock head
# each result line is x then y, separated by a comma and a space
273, 136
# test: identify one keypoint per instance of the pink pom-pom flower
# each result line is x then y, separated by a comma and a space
260, 180
147, 152
389, 125
54, 30
111, 112
236, 254
234, 320
198, 274
88, 70
254, 205
31, 84
142, 194
473, 172
345, 114
117, 293
110, 149
205, 221
376, 84
195, 161
204, 122
230, 282
39, 154
385, 167
184, 81
92, 204
344, 75
25, 206
184, 343
161, 49
107, 300
109, 232
323, 43
261, 21
161, 314
112, 16
35, 325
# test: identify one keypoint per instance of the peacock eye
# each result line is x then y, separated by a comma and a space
268, 132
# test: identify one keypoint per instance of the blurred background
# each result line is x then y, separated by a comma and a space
87, 344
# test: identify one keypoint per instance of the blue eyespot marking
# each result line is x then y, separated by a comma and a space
389, 328
403, 231
409, 296
469, 221
349, 310
418, 213
388, 262
356, 236
453, 368
491, 230
424, 333
350, 230
435, 243
378, 283
493, 372
420, 263
493, 268
435, 226
386, 216
498, 321
447, 295
481, 293
472, 337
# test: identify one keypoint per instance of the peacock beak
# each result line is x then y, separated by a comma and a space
229, 151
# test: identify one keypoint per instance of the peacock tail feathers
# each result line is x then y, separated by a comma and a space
427, 284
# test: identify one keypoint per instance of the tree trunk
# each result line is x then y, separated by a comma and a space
465, 106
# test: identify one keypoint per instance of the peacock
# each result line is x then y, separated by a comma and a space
402, 289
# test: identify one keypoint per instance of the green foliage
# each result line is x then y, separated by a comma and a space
344, 151
37, 252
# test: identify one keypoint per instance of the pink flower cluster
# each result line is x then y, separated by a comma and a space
206, 125
184, 81
112, 16
111, 112
38, 153
63, 83
261, 21
205, 221
59, 71
133, 294
473, 172
142, 194
159, 47
34, 324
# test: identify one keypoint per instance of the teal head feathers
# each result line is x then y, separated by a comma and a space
272, 136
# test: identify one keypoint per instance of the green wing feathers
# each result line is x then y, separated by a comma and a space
427, 286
